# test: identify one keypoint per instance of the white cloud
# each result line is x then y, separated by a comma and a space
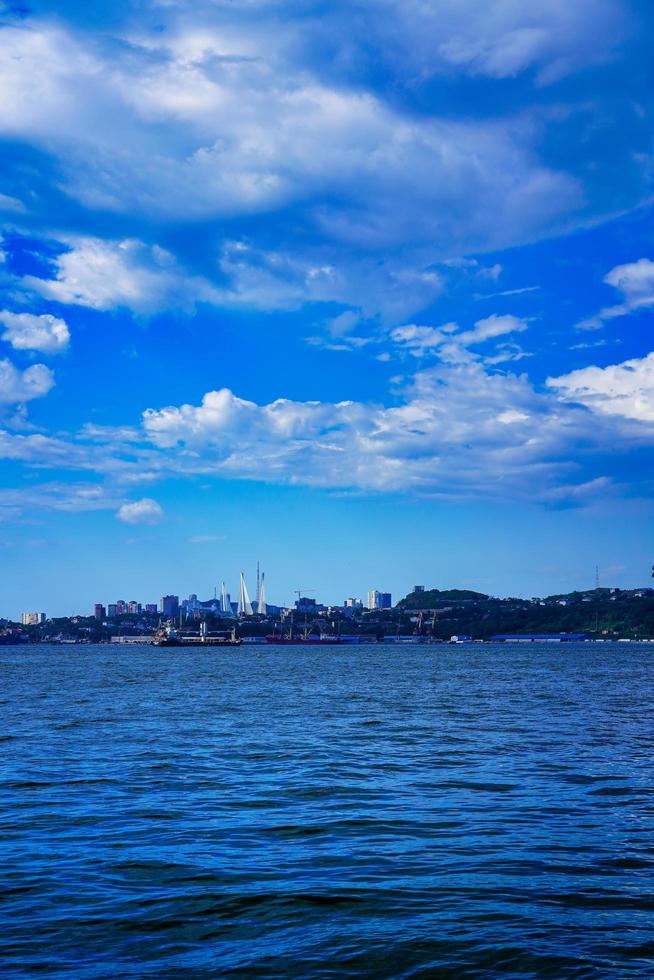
419, 339
28, 331
8, 203
625, 389
510, 416
501, 39
223, 419
347, 344
342, 324
21, 386
453, 430
111, 451
276, 280
43, 450
250, 129
218, 115
635, 280
506, 352
70, 498
103, 275
106, 274
507, 292
410, 39
450, 343
144, 511
458, 430
490, 327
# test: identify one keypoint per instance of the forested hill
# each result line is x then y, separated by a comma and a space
434, 597
608, 612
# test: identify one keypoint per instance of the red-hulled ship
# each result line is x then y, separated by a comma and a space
297, 641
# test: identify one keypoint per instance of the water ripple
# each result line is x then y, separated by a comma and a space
450, 812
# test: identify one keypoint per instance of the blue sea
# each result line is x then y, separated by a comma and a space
446, 811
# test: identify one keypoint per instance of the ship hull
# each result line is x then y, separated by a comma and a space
285, 641
174, 642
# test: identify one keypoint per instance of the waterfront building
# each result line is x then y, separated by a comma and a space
32, 618
169, 606
99, 612
539, 637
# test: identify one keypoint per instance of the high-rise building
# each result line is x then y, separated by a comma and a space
112, 610
418, 588
99, 611
32, 618
169, 606
151, 607
133, 607
190, 605
353, 604
379, 600
121, 607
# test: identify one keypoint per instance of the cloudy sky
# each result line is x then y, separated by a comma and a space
363, 290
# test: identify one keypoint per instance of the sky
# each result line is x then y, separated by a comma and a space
361, 290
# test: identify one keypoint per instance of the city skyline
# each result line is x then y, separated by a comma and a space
172, 604
371, 300
367, 599
39, 591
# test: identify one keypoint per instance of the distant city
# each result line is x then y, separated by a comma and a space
422, 616
222, 604
171, 607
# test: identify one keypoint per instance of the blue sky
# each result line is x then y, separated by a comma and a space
362, 290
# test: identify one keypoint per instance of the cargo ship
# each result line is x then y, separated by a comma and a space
169, 636
10, 638
313, 641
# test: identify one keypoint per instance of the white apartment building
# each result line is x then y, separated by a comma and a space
32, 618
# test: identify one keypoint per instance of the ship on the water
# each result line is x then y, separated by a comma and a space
313, 641
169, 636
12, 638
306, 637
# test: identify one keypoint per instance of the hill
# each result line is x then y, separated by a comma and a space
600, 612
432, 598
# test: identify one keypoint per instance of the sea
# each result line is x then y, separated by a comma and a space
375, 811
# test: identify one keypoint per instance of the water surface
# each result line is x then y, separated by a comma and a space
454, 811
